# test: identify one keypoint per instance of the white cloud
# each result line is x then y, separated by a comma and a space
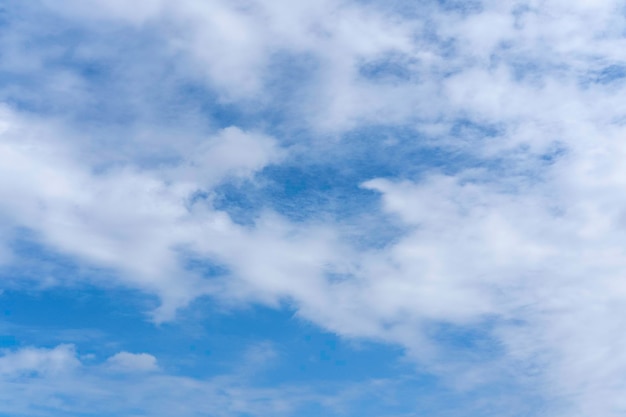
44, 382
234, 47
231, 153
39, 362
537, 240
132, 362
544, 250
131, 220
140, 223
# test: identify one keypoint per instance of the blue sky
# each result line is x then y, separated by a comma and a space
315, 208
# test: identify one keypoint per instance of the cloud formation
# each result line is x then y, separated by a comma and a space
43, 381
515, 233
132, 362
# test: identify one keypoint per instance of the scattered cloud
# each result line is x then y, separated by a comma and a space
517, 236
30, 362
132, 362
43, 381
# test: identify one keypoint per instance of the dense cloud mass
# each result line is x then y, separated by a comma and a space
444, 177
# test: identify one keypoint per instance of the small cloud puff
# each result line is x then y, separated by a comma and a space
132, 362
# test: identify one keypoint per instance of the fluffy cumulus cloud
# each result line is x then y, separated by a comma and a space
492, 202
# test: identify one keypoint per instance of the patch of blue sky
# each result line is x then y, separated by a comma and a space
467, 343
33, 257
97, 76
528, 71
327, 178
209, 339
206, 339
289, 75
465, 128
419, 9
243, 201
461, 6
42, 40
323, 181
609, 74
34, 262
190, 95
391, 68
82, 315
206, 342
521, 163
200, 265
554, 153
306, 194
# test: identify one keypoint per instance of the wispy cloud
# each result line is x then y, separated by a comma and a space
503, 224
